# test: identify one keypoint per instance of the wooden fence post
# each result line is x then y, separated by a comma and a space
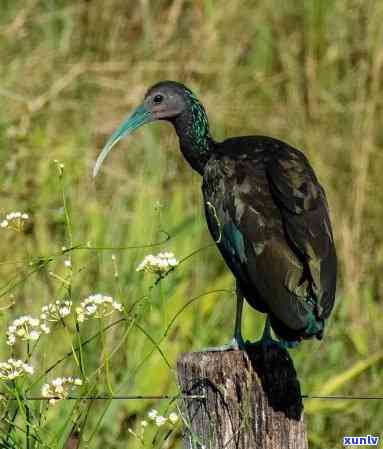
252, 400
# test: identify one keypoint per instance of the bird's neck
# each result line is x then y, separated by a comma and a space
192, 128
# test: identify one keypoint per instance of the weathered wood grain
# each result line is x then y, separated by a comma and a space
252, 400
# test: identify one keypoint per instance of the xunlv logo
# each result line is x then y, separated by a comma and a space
368, 440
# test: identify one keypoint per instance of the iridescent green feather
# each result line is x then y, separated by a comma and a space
199, 130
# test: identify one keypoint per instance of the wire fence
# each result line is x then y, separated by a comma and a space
153, 397
127, 397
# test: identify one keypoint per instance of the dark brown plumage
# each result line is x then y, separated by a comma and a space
263, 198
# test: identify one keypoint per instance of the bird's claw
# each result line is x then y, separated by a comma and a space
236, 344
268, 343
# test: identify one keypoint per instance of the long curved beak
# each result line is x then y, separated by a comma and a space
139, 117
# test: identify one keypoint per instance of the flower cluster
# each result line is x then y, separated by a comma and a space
157, 419
59, 388
161, 420
159, 264
97, 306
14, 368
140, 433
14, 220
26, 328
57, 311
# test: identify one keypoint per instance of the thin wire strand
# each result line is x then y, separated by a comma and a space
170, 397
351, 397
106, 397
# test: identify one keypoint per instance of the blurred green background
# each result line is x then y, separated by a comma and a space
308, 72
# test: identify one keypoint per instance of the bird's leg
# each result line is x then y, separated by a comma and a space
237, 342
267, 340
266, 336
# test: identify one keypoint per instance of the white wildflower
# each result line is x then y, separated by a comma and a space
97, 306
34, 335
14, 368
67, 263
173, 418
14, 220
56, 311
160, 420
60, 166
59, 388
21, 332
11, 340
139, 434
153, 414
45, 328
26, 328
159, 264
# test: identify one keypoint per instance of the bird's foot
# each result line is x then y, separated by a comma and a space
267, 342
236, 344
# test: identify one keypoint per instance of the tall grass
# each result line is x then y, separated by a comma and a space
306, 72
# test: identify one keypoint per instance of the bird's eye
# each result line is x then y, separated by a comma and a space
158, 98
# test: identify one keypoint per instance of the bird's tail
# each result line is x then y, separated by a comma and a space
290, 338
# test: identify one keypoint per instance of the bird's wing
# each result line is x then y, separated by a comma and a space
304, 210
269, 216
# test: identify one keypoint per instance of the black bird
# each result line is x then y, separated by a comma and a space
265, 209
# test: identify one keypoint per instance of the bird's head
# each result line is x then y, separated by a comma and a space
164, 101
